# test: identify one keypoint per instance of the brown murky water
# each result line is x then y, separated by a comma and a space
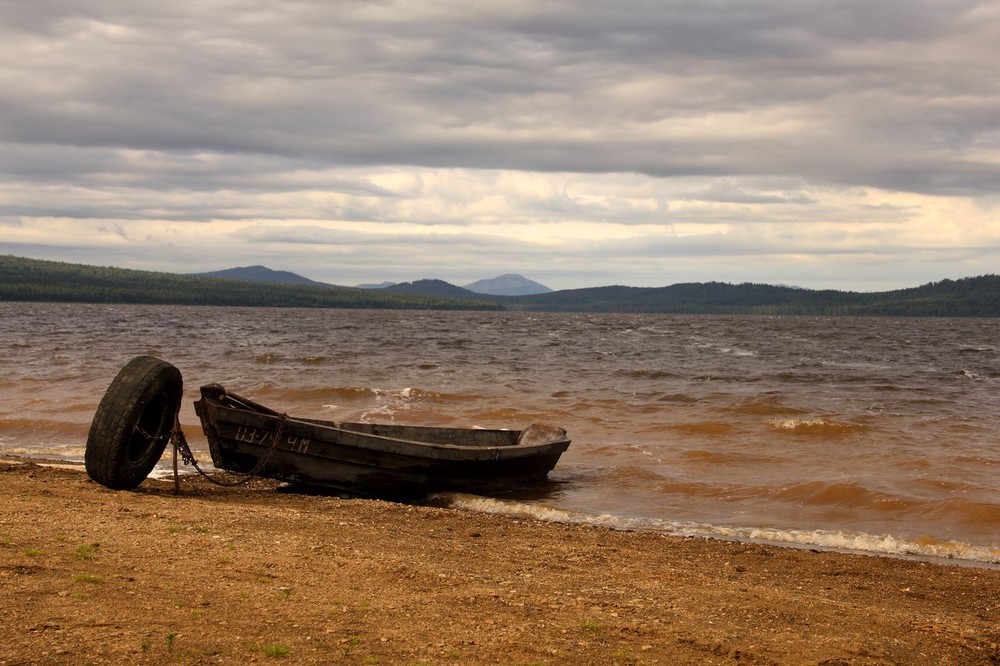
877, 434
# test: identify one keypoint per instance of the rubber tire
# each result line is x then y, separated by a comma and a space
133, 423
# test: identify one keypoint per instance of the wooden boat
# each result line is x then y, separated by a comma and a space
379, 460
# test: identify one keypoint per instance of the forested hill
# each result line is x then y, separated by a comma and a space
35, 280
967, 297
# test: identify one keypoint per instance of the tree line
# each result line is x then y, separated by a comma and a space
967, 297
35, 280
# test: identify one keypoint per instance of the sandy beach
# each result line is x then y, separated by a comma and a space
255, 574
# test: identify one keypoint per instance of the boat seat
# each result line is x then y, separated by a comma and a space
537, 433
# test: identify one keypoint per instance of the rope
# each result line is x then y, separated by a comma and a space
179, 441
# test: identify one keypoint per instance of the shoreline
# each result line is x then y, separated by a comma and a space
231, 575
714, 533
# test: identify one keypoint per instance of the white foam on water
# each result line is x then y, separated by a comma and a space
68, 452
840, 540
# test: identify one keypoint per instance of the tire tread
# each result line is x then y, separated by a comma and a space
140, 380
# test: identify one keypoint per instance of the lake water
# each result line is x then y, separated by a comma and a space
872, 434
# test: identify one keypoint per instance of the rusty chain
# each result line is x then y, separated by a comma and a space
180, 445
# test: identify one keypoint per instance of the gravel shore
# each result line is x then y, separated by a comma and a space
255, 574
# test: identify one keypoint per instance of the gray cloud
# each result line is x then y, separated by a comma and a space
681, 112
561, 87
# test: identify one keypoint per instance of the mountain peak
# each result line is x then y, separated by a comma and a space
437, 288
509, 284
262, 274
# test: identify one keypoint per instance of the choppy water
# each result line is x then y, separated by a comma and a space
880, 435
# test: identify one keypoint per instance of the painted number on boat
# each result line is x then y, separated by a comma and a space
298, 444
263, 438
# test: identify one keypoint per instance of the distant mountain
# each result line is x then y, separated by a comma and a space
434, 288
37, 280
23, 279
967, 297
263, 274
508, 285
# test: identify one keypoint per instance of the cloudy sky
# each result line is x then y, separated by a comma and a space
849, 144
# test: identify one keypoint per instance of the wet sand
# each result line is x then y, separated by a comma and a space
255, 574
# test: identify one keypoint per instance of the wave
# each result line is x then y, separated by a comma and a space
355, 394
762, 408
632, 476
726, 349
726, 457
268, 359
34, 428
677, 398
850, 504
925, 547
69, 452
972, 512
711, 428
852, 495
647, 374
816, 427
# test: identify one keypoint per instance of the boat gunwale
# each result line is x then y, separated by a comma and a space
259, 412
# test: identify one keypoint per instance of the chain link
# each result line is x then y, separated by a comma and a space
153, 439
180, 444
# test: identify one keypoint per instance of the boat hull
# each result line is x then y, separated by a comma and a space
376, 460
